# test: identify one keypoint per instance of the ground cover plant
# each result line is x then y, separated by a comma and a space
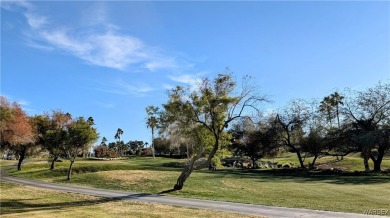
345, 191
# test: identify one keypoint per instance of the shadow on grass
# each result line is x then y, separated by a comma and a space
167, 191
15, 206
303, 175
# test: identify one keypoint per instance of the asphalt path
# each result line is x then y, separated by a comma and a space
251, 209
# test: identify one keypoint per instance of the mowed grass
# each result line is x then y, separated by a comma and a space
23, 201
288, 187
5, 163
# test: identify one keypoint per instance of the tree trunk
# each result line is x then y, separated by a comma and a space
70, 169
300, 158
337, 114
22, 155
378, 161
187, 171
366, 166
188, 152
314, 161
53, 161
190, 167
253, 163
153, 142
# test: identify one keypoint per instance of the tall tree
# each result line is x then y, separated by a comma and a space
103, 142
81, 134
336, 100
211, 108
118, 134
152, 122
326, 107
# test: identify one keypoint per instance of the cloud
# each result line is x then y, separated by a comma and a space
167, 86
35, 21
99, 42
105, 105
192, 80
121, 88
23, 103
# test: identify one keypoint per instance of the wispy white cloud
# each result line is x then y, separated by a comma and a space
39, 46
192, 80
138, 89
26, 105
105, 105
106, 48
23, 103
167, 86
35, 21
134, 88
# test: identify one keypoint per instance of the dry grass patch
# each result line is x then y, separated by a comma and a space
134, 176
23, 201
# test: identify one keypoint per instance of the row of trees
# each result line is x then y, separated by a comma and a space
222, 114
119, 148
57, 132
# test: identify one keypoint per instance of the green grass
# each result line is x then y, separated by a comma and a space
344, 192
23, 201
5, 163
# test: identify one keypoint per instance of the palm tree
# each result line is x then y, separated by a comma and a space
104, 140
326, 107
152, 122
118, 134
336, 100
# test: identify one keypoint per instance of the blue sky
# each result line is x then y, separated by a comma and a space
110, 60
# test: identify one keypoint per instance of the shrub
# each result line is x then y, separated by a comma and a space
216, 162
111, 154
100, 151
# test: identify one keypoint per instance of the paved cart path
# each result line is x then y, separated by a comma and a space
251, 209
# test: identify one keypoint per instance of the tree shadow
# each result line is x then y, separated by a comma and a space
167, 191
304, 175
15, 206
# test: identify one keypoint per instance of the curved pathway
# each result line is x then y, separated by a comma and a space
251, 209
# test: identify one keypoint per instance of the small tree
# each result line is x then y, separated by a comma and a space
81, 133
291, 122
17, 133
369, 113
55, 137
255, 141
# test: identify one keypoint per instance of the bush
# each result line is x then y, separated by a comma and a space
216, 162
100, 151
111, 154
146, 152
